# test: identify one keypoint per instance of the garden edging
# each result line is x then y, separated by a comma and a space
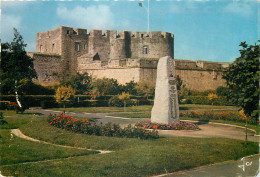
20, 134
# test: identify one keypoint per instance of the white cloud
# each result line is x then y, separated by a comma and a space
92, 17
239, 8
8, 22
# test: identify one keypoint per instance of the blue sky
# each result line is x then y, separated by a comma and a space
208, 30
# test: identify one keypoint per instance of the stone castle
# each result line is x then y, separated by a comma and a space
122, 55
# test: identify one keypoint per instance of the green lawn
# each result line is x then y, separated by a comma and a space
144, 108
148, 115
13, 113
16, 150
132, 157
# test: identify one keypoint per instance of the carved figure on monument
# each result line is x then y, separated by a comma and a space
166, 108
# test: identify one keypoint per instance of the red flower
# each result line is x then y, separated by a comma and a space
14, 103
50, 123
155, 127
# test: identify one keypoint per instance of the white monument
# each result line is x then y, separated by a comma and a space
166, 107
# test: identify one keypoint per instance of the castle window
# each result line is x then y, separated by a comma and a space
77, 46
85, 46
53, 47
145, 50
142, 35
41, 48
68, 31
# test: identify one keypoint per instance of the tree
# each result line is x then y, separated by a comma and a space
105, 86
242, 79
64, 94
16, 67
82, 83
145, 88
124, 97
130, 88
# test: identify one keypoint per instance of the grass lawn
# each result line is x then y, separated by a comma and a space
143, 108
148, 115
13, 113
132, 157
16, 150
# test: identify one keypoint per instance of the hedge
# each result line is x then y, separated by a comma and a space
48, 101
204, 100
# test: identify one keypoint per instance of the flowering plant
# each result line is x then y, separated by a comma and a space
174, 126
92, 128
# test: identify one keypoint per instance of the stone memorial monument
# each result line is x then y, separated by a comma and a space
166, 108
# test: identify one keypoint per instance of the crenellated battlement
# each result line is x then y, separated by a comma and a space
104, 33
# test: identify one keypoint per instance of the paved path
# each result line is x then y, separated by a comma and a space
208, 130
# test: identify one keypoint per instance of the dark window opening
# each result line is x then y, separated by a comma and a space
145, 50
53, 47
68, 31
77, 46
96, 57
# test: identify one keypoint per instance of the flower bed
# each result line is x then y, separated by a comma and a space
177, 126
92, 128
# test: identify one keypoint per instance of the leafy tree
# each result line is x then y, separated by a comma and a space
16, 67
82, 83
130, 88
105, 86
124, 97
64, 94
212, 96
145, 88
242, 79
179, 83
222, 91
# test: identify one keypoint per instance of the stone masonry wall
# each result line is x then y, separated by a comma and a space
47, 67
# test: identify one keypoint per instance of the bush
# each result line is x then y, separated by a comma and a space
2, 121
115, 102
92, 128
8, 105
206, 101
207, 116
222, 91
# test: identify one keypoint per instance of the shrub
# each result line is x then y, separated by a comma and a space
92, 128
8, 105
207, 115
2, 121
222, 91
115, 101
206, 101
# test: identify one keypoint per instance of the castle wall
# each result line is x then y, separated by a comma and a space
201, 80
47, 67
49, 42
100, 44
122, 75
158, 44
